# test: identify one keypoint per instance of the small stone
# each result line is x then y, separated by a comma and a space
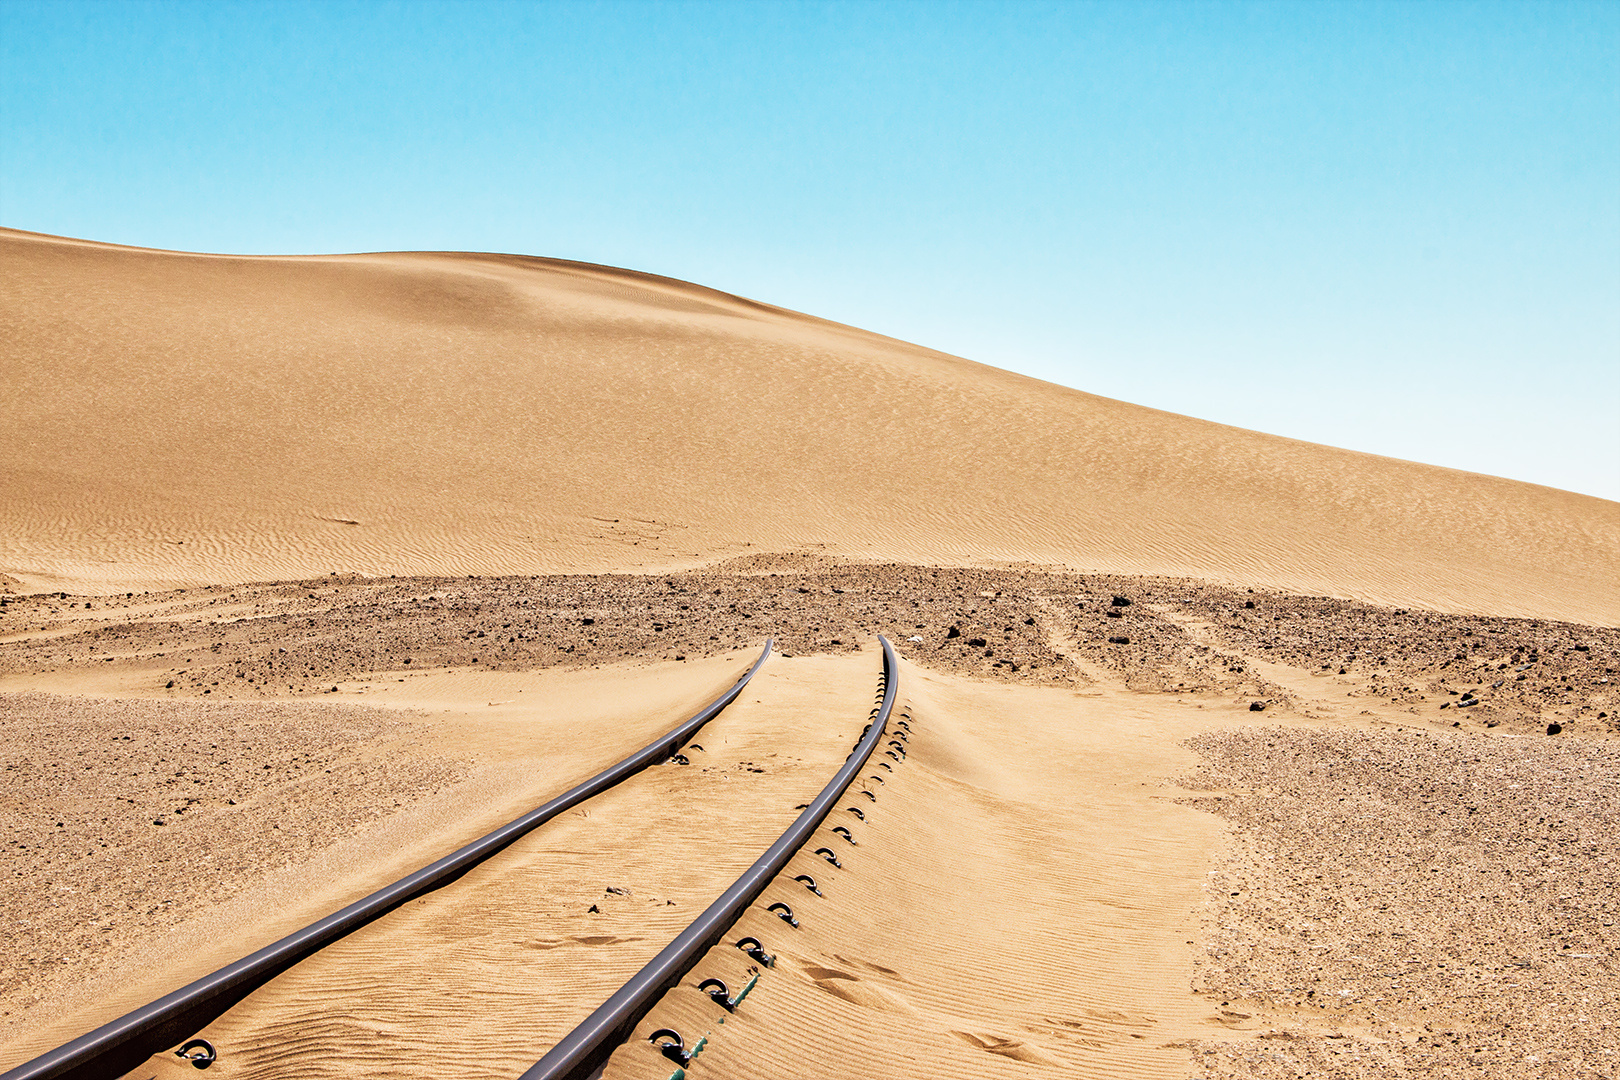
1119, 640
1114, 613
1249, 605
1554, 728
1121, 601
953, 632
593, 910
587, 622
976, 643
1257, 706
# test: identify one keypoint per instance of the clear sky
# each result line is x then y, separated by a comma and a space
1390, 227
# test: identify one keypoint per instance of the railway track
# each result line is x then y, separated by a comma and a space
583, 1052
123, 1044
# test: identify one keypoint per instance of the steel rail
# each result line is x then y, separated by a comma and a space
584, 1050
119, 1046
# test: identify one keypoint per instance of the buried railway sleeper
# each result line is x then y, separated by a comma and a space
669, 1041
583, 1051
119, 1046
672, 1045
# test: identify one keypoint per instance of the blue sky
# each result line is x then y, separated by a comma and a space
1390, 227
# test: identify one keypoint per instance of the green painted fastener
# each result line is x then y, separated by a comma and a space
738, 1000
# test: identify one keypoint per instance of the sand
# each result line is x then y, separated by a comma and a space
177, 419
314, 569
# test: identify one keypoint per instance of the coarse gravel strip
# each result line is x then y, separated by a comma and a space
1403, 904
1026, 624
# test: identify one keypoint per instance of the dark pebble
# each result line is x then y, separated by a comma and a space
1257, 706
1554, 728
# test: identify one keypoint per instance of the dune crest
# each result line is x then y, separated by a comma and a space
175, 418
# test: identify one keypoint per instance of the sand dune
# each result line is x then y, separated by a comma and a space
176, 418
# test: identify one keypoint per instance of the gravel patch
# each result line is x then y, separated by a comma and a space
1169, 635
1414, 904
120, 818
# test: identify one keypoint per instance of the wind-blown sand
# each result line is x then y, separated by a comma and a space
191, 419
1230, 754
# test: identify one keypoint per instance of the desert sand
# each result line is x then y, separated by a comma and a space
1230, 755
176, 419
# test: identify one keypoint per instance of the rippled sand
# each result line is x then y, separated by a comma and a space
191, 419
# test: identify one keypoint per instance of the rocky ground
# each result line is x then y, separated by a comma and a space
301, 638
1414, 904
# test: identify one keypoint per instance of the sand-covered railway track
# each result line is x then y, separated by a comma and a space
163, 1035
583, 1052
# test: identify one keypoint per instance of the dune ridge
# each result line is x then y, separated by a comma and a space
175, 419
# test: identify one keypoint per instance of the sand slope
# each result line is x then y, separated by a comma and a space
174, 418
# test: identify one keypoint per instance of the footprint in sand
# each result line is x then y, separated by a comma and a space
543, 944
1016, 1049
841, 984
